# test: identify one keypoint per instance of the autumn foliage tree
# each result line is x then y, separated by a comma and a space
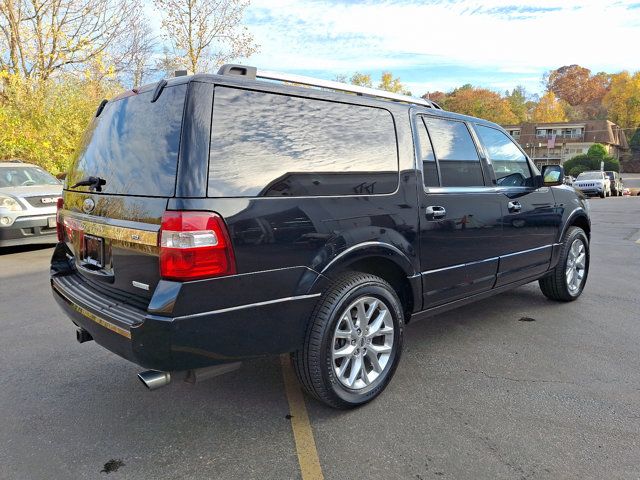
582, 91
480, 102
549, 109
623, 99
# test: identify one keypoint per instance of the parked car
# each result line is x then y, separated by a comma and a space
213, 218
615, 181
593, 183
28, 196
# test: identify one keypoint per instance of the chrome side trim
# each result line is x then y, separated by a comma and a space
527, 251
250, 305
490, 259
436, 270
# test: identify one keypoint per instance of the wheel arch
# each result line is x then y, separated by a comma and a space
580, 219
386, 262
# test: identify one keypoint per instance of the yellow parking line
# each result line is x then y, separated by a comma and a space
302, 432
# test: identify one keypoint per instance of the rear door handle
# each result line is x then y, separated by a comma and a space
514, 206
435, 212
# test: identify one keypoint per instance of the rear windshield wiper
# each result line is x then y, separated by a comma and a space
94, 183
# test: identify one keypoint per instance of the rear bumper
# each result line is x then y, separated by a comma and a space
181, 342
28, 230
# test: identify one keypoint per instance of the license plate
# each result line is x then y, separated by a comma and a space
51, 222
93, 252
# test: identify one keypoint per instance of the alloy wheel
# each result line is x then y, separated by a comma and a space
362, 342
576, 265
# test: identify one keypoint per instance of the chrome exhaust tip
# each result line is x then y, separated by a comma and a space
154, 379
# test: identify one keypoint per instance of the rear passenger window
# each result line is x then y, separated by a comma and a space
509, 163
265, 144
429, 168
455, 152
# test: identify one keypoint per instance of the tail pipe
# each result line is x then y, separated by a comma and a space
154, 379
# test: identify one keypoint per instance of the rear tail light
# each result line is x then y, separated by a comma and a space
194, 245
59, 224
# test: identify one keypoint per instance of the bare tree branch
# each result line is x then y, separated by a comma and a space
206, 33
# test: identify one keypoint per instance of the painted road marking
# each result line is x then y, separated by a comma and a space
302, 432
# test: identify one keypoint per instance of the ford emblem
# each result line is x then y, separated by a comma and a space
88, 205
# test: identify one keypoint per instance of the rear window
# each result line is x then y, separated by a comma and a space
133, 145
264, 144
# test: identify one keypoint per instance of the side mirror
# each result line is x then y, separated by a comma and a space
552, 175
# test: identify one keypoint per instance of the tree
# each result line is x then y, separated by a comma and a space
591, 160
361, 79
519, 103
479, 102
41, 37
549, 109
206, 33
576, 86
390, 84
623, 99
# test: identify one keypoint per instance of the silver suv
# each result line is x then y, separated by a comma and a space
28, 197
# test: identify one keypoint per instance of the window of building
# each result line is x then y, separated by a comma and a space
455, 152
265, 144
509, 163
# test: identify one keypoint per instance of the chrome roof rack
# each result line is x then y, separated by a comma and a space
253, 73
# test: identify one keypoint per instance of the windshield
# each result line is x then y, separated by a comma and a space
25, 176
590, 176
610, 175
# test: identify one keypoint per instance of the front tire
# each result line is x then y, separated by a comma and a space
353, 342
568, 278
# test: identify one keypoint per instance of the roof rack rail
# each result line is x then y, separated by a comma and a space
254, 73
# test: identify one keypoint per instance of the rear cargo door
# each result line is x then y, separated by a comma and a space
132, 147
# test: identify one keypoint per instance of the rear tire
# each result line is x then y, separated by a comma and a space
353, 342
603, 194
568, 278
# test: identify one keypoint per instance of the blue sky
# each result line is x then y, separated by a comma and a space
441, 44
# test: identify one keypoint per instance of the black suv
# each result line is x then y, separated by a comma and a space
213, 218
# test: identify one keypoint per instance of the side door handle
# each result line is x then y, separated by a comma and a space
514, 206
435, 212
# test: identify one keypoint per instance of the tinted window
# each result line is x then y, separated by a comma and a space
456, 153
509, 163
264, 144
426, 156
134, 144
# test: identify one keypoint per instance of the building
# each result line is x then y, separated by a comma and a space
554, 143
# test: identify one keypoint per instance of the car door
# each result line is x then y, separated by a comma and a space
530, 219
460, 213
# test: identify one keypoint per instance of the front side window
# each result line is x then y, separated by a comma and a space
455, 152
509, 163
265, 144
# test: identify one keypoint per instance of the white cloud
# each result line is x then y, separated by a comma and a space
524, 38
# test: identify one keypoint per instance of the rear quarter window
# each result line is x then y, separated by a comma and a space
265, 144
134, 144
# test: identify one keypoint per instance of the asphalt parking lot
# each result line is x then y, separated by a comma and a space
478, 394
